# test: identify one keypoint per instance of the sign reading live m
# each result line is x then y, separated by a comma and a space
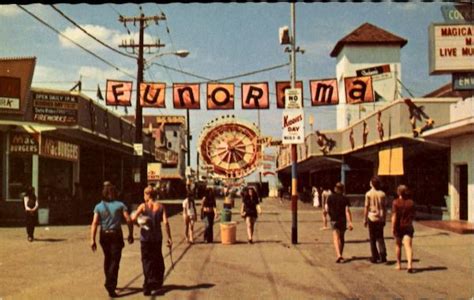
221, 96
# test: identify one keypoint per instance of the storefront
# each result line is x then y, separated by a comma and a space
63, 144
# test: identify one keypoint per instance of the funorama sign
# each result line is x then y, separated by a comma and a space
222, 96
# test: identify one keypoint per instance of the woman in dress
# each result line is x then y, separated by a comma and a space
249, 210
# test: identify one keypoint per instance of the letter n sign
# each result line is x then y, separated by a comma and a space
359, 89
119, 93
220, 96
255, 96
152, 94
186, 96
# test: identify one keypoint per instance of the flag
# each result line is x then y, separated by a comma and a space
99, 94
78, 86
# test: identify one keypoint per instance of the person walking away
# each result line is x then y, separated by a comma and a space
249, 210
375, 212
150, 215
208, 214
324, 200
189, 216
30, 201
403, 214
109, 213
339, 212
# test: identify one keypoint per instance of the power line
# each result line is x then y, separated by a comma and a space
409, 93
78, 45
90, 35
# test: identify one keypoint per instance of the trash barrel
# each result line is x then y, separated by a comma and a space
43, 216
228, 232
226, 215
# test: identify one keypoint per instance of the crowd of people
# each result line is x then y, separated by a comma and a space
337, 206
110, 212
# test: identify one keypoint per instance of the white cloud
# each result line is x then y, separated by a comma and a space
113, 38
9, 10
94, 74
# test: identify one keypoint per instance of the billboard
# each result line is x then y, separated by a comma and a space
16, 75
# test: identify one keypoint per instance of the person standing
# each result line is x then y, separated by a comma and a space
150, 215
208, 214
189, 216
249, 210
375, 212
339, 212
30, 201
324, 200
109, 213
403, 214
316, 196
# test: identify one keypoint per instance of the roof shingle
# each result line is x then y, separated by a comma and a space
368, 34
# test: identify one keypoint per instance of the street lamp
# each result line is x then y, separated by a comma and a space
179, 53
138, 116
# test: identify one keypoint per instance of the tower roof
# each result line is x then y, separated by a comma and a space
368, 34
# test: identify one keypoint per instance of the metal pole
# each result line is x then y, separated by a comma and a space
294, 155
138, 111
188, 137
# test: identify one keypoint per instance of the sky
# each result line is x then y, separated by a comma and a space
224, 39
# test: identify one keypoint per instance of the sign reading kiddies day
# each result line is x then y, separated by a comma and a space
451, 48
293, 126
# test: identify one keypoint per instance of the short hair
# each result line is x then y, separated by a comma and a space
149, 190
109, 191
403, 191
339, 187
376, 183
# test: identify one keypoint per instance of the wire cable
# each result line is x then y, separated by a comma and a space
78, 45
90, 35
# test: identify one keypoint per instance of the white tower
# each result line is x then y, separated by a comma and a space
368, 50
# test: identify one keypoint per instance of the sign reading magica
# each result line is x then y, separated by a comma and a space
55, 108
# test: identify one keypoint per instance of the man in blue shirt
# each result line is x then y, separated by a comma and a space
109, 213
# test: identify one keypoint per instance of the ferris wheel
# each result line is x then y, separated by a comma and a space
230, 147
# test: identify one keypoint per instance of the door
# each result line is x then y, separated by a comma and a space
462, 188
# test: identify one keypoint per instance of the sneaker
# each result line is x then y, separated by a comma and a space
373, 260
383, 260
30, 239
146, 292
411, 271
340, 260
112, 294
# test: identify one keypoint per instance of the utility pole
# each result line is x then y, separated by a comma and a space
143, 23
294, 155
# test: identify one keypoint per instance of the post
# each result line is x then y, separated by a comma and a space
188, 137
294, 154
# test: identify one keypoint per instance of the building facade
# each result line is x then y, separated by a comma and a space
65, 145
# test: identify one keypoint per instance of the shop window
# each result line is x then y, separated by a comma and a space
19, 175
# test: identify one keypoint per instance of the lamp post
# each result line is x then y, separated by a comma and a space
142, 64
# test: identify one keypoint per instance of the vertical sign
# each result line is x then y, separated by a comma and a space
293, 126
186, 96
119, 93
324, 92
220, 96
281, 86
359, 89
255, 96
152, 94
